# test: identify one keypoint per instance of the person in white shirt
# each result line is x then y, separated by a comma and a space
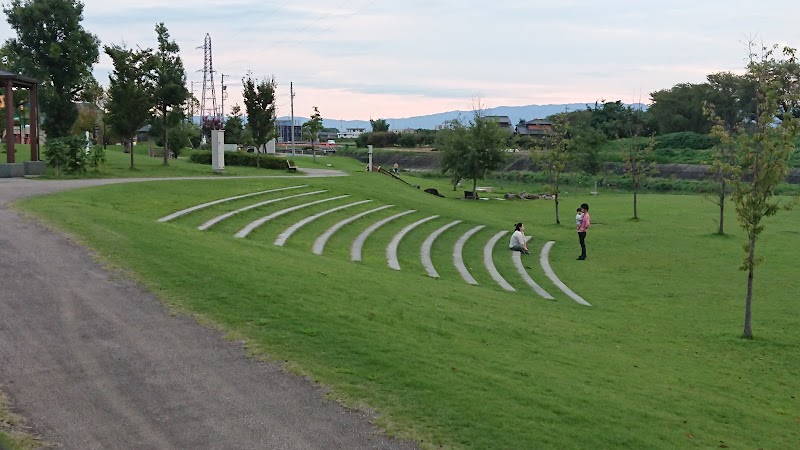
518, 242
579, 217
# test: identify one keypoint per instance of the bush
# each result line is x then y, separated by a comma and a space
686, 139
67, 154
240, 159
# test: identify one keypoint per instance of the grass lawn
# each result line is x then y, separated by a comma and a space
656, 362
10, 437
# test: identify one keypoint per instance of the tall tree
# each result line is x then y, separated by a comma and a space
764, 153
472, 151
379, 125
259, 101
311, 130
52, 45
724, 163
680, 108
234, 126
554, 155
170, 83
130, 91
636, 159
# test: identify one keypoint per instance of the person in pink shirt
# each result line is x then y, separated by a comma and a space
582, 227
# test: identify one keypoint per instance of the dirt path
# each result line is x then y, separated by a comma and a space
93, 361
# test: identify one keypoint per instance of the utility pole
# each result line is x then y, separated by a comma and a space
291, 93
224, 96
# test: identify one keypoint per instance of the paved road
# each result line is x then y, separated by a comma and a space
93, 361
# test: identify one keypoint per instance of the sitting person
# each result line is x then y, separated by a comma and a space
518, 242
396, 168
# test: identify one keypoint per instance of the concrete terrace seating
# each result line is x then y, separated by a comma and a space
489, 262
358, 244
425, 251
393, 246
283, 237
257, 223
208, 224
290, 167
391, 249
183, 212
319, 244
458, 257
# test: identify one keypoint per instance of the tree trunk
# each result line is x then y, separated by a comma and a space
558, 222
313, 152
475, 188
635, 211
258, 156
166, 147
748, 329
130, 145
722, 206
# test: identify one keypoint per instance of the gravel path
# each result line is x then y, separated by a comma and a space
93, 361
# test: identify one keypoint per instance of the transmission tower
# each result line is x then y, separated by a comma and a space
208, 104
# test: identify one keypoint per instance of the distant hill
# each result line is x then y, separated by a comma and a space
431, 121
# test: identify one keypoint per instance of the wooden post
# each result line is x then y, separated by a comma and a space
34, 123
9, 87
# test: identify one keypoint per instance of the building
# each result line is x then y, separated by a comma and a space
504, 122
351, 133
284, 128
535, 127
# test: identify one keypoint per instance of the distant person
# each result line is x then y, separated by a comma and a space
518, 242
396, 168
583, 225
579, 216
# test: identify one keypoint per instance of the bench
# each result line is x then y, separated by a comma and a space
290, 166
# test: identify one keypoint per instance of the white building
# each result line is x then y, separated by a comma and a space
351, 133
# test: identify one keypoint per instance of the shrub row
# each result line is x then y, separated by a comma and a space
240, 159
686, 139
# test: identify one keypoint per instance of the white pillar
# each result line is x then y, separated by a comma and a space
369, 151
271, 147
217, 150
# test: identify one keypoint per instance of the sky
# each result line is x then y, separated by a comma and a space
362, 59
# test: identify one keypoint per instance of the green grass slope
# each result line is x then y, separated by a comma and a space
656, 362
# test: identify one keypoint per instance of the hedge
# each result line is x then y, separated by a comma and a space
240, 159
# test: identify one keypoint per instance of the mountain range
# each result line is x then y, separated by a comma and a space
431, 121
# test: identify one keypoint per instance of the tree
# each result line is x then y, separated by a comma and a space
472, 151
724, 164
170, 84
259, 101
637, 164
556, 152
379, 125
53, 46
680, 108
764, 153
130, 91
311, 130
453, 142
234, 126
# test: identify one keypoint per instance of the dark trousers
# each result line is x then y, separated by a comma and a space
582, 240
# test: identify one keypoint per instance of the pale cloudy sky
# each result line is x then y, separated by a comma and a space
357, 59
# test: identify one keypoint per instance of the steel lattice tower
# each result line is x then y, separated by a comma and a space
208, 104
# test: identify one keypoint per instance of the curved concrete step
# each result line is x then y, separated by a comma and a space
517, 258
425, 250
319, 244
391, 249
489, 262
283, 237
210, 223
183, 212
458, 255
544, 260
257, 223
358, 243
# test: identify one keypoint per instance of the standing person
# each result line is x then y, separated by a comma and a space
582, 227
518, 242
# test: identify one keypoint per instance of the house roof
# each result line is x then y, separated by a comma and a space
501, 119
538, 122
18, 80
